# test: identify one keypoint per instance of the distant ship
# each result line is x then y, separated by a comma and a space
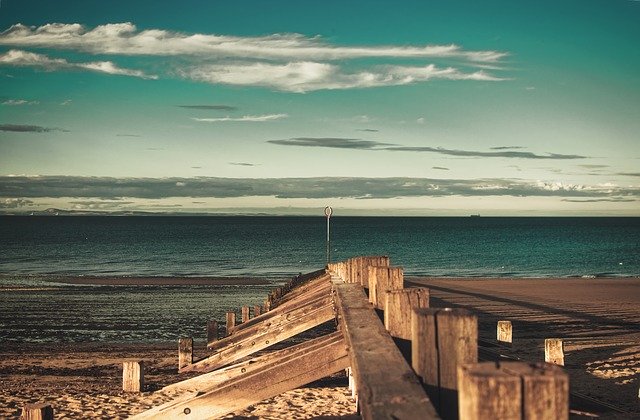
475, 215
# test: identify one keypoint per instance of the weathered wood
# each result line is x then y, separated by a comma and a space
505, 331
554, 351
185, 352
218, 376
265, 334
365, 263
212, 331
230, 322
245, 314
257, 310
309, 286
513, 390
442, 340
308, 364
387, 387
40, 411
399, 305
381, 280
133, 376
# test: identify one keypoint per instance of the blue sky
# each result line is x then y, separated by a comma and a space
419, 108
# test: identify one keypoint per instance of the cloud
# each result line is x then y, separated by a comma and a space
629, 173
324, 187
347, 143
242, 164
20, 128
306, 76
330, 142
210, 107
126, 39
19, 58
127, 135
368, 130
420, 120
14, 203
244, 118
507, 148
19, 102
600, 200
99, 204
441, 168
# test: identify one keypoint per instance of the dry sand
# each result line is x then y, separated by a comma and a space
599, 319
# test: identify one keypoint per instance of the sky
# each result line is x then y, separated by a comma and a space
430, 108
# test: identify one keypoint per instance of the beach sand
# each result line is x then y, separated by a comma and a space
599, 320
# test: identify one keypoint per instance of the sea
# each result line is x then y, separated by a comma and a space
39, 253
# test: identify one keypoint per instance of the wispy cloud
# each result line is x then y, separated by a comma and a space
331, 142
242, 164
19, 58
629, 173
325, 187
244, 118
14, 203
21, 128
210, 107
348, 143
441, 168
306, 76
594, 166
126, 39
507, 148
368, 130
600, 200
19, 102
127, 135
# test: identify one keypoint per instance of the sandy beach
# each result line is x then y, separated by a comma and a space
598, 319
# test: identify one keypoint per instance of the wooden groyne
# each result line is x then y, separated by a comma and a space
405, 360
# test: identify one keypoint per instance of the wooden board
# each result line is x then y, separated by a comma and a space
387, 386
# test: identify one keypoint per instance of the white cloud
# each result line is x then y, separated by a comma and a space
420, 120
244, 118
18, 102
125, 38
19, 58
307, 76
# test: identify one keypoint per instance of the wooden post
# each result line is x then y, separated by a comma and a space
504, 333
212, 331
185, 352
382, 279
554, 351
40, 411
133, 376
399, 306
257, 310
267, 305
231, 321
442, 340
245, 314
506, 390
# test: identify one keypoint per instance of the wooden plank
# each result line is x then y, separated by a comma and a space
399, 306
391, 392
210, 379
310, 363
320, 292
265, 334
309, 286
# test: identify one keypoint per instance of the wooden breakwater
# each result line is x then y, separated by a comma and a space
404, 359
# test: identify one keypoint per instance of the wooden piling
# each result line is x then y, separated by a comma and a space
230, 322
505, 331
257, 310
39, 411
185, 352
133, 376
506, 390
399, 305
442, 340
382, 279
212, 331
554, 351
245, 314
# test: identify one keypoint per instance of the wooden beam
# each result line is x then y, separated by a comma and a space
387, 387
265, 334
311, 362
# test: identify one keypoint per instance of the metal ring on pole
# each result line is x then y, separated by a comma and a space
328, 211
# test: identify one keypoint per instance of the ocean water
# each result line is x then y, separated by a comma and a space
37, 253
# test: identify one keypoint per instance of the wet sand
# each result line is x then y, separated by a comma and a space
598, 320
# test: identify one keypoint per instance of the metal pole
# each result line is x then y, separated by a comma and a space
327, 212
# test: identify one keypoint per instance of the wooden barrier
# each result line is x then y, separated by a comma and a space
442, 340
185, 352
554, 351
381, 280
133, 376
513, 390
39, 411
245, 314
212, 331
504, 332
399, 305
383, 393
